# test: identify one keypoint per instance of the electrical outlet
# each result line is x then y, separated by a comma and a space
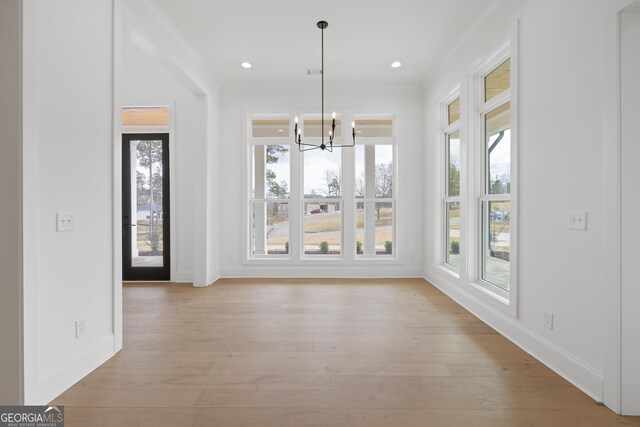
65, 222
548, 319
81, 327
578, 220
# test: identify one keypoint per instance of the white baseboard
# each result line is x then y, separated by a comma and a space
200, 286
183, 277
369, 272
569, 367
56, 381
213, 278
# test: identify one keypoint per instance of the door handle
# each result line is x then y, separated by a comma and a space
128, 225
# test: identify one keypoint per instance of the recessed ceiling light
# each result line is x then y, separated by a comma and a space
280, 130
246, 64
396, 64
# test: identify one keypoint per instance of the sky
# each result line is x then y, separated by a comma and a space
281, 168
500, 156
316, 163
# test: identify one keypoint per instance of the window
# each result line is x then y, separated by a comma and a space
322, 207
270, 188
374, 188
452, 169
299, 209
495, 195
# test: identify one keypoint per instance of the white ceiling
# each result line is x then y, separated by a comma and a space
280, 37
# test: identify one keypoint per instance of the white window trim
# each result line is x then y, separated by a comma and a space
504, 301
296, 200
442, 170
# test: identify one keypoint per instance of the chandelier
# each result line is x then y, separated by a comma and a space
297, 133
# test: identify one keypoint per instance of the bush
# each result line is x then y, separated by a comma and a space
359, 247
286, 247
455, 247
324, 247
155, 238
388, 247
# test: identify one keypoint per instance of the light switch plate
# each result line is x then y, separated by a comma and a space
548, 319
578, 220
65, 222
81, 327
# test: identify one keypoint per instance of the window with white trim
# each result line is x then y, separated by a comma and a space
322, 204
300, 209
270, 187
452, 169
374, 187
495, 195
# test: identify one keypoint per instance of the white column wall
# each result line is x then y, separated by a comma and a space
630, 155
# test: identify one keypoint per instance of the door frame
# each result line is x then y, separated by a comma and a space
146, 273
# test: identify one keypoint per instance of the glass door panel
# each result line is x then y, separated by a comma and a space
145, 206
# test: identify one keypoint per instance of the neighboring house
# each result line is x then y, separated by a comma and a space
320, 207
143, 212
316, 207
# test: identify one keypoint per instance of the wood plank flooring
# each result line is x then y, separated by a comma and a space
299, 353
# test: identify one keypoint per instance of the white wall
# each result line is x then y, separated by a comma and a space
241, 99
11, 196
630, 150
68, 74
145, 82
560, 88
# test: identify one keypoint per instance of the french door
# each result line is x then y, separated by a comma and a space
145, 207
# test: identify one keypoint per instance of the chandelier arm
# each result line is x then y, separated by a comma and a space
309, 145
314, 147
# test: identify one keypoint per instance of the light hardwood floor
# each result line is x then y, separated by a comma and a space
319, 353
